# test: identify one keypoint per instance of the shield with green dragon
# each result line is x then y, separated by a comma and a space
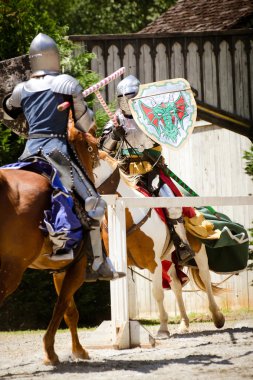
166, 111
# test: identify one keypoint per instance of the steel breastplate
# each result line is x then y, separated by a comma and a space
136, 138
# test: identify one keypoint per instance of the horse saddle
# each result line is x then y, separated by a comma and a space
60, 221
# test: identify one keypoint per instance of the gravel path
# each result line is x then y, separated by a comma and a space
204, 353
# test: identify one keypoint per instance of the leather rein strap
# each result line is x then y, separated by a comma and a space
134, 227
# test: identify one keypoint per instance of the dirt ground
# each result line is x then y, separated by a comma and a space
203, 353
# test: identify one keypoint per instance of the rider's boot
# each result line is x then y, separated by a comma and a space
184, 253
175, 222
99, 266
102, 267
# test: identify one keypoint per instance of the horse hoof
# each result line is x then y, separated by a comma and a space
162, 335
81, 355
183, 326
219, 321
183, 329
53, 361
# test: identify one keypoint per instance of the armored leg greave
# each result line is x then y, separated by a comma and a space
102, 267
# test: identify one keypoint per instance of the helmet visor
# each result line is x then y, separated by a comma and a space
123, 102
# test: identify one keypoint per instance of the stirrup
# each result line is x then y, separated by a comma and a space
184, 253
104, 273
62, 256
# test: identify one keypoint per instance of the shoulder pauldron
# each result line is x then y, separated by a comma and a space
66, 84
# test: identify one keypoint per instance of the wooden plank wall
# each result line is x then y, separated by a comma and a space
219, 66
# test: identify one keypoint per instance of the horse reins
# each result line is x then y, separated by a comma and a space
134, 227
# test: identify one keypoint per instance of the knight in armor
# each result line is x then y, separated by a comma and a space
132, 144
38, 98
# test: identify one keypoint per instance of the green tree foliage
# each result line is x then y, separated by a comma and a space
248, 156
102, 118
111, 16
21, 21
11, 145
76, 62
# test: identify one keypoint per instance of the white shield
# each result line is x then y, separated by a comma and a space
166, 111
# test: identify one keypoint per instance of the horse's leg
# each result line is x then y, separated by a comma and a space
202, 263
72, 281
176, 287
71, 317
158, 294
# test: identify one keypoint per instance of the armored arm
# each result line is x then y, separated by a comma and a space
107, 142
66, 84
81, 115
111, 136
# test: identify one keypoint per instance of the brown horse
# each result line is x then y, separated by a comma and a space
24, 196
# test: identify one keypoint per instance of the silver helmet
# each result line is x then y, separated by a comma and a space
127, 89
44, 56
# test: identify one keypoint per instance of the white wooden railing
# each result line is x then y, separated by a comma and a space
124, 332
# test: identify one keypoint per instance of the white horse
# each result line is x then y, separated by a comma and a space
147, 246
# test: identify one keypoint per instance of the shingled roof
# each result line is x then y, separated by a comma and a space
203, 15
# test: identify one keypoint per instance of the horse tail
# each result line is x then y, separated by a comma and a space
217, 290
